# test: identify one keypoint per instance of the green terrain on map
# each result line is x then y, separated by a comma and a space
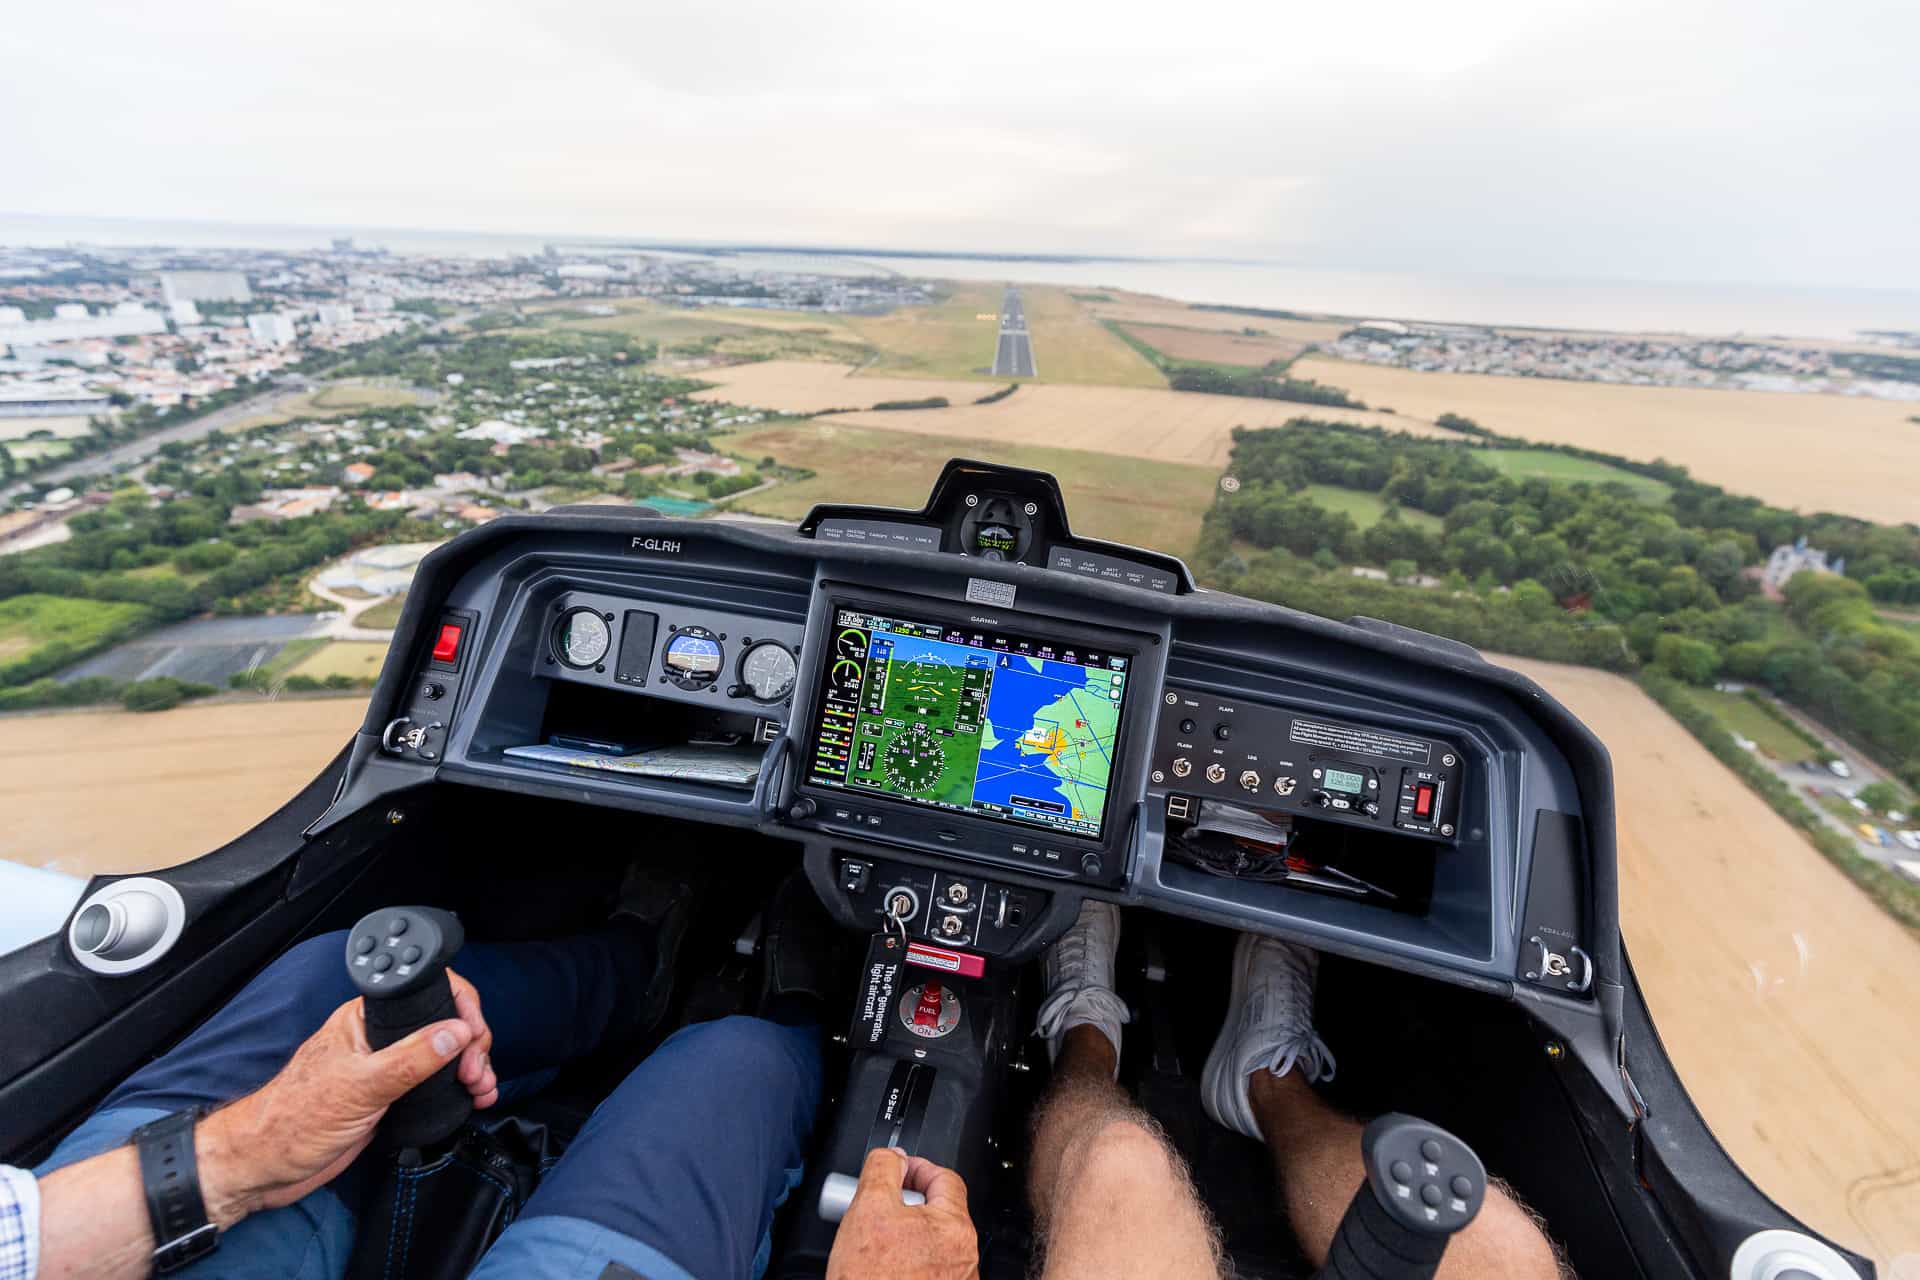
922, 739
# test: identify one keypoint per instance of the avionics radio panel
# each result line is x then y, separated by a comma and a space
1207, 747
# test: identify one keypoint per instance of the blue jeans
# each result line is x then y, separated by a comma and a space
677, 1174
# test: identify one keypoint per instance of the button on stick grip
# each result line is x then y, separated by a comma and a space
397, 958
1423, 1184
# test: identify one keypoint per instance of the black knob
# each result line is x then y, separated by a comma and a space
801, 809
1321, 799
397, 958
1188, 726
1370, 808
1090, 863
1223, 731
431, 691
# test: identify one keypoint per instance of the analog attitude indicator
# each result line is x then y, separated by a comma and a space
692, 658
768, 671
581, 638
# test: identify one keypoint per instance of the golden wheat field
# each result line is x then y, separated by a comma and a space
108, 792
1848, 454
1136, 422
1785, 996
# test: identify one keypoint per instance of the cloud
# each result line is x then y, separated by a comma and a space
1698, 139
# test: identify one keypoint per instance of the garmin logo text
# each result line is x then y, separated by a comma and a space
983, 620
663, 546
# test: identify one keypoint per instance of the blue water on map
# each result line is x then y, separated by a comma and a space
1023, 689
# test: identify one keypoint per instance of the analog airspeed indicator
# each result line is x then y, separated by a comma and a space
768, 670
581, 638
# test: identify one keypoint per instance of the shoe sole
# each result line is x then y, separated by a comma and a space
668, 933
1229, 1033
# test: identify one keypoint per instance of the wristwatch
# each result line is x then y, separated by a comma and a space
170, 1176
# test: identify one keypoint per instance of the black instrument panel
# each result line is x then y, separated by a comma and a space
697, 653
733, 623
1303, 762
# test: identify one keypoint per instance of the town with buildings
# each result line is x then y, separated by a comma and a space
1640, 360
97, 341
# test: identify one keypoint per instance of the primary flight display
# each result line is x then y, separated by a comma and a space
1005, 726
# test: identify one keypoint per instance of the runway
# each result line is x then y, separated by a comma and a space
1014, 356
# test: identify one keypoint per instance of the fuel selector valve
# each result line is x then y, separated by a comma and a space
397, 958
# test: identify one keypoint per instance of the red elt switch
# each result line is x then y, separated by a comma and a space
447, 647
1423, 801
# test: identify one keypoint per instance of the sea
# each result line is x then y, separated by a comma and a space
1755, 310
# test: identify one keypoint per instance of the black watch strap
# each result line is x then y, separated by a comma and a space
170, 1175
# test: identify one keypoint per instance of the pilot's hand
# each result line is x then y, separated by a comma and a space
301, 1128
882, 1239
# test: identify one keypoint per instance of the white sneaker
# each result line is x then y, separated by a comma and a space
1269, 1026
1079, 976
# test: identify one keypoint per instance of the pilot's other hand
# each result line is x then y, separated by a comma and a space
882, 1239
301, 1128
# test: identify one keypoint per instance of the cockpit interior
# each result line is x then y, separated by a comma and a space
960, 723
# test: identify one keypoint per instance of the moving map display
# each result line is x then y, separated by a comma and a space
1004, 726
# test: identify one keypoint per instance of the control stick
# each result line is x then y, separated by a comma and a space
1423, 1184
397, 958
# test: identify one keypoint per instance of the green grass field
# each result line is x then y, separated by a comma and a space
1367, 508
38, 450
1149, 504
1528, 463
1839, 808
1739, 716
359, 659
33, 628
744, 333
332, 400
339, 396
385, 614
293, 653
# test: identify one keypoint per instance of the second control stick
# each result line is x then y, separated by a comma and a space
397, 958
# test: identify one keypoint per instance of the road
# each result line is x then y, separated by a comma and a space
1865, 772
1014, 356
146, 446
347, 625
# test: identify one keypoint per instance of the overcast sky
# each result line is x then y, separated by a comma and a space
1644, 139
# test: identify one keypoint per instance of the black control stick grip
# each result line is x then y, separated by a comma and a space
397, 958
1423, 1184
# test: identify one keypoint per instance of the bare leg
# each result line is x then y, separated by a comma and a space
1316, 1154
1110, 1198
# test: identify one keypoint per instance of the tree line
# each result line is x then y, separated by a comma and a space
1583, 572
